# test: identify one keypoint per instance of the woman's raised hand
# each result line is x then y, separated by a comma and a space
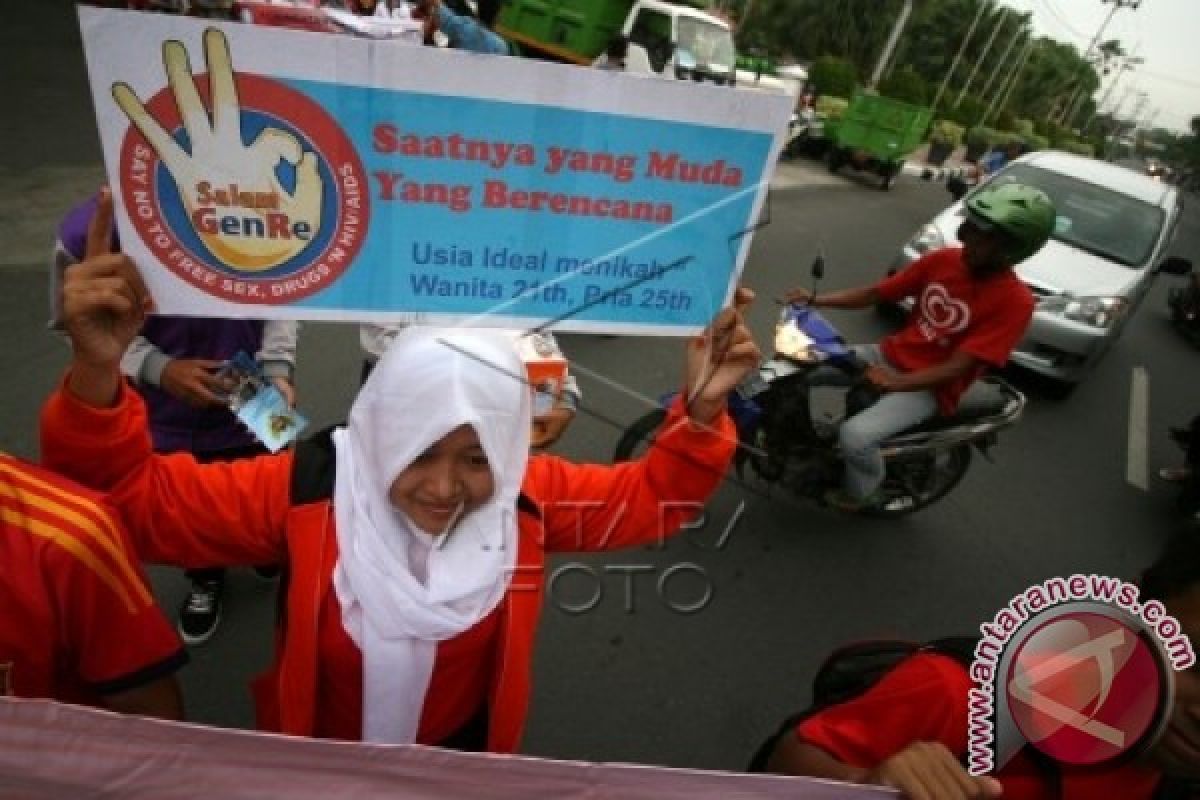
104, 307
719, 358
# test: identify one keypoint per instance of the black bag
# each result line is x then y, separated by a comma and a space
850, 671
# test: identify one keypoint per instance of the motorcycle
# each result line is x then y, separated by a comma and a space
785, 446
805, 132
1184, 304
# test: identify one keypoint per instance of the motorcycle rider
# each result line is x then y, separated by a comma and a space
971, 310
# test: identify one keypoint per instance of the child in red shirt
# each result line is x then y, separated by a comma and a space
77, 621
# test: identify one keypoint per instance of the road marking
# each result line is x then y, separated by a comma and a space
1136, 469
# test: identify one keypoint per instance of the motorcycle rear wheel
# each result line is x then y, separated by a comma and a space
917, 483
638, 437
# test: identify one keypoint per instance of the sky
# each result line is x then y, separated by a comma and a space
1164, 32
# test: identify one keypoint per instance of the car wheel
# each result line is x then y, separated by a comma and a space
833, 159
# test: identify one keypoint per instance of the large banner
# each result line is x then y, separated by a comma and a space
50, 751
272, 173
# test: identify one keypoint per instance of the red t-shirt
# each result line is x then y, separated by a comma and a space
954, 312
924, 699
462, 675
77, 620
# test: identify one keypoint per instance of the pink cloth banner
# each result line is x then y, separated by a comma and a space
50, 750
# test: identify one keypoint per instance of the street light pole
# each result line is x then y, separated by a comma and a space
892, 41
987, 47
1009, 83
958, 56
1016, 37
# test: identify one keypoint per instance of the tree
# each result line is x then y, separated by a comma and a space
856, 30
833, 76
905, 84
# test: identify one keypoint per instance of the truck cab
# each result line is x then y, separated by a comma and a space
672, 39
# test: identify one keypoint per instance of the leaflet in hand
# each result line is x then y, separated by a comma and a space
259, 404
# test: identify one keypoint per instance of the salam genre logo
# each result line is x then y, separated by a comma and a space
241, 186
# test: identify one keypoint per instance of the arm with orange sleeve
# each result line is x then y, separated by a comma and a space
177, 511
589, 507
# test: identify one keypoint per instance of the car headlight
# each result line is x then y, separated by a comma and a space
926, 239
1099, 312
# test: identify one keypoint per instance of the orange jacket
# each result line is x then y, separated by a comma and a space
191, 515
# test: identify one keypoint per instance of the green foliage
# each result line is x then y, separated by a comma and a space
1078, 148
1024, 127
854, 31
833, 76
979, 136
831, 107
905, 84
1006, 121
1005, 138
1035, 142
946, 132
968, 113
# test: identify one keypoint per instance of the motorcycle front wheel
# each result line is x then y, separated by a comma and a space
638, 437
915, 483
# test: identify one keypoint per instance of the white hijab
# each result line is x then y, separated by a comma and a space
401, 589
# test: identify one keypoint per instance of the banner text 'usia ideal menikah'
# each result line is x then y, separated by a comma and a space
271, 173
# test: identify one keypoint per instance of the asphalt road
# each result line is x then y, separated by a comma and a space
631, 679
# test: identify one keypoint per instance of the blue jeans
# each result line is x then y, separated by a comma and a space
859, 436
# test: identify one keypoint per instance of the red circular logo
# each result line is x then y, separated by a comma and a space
248, 241
1085, 688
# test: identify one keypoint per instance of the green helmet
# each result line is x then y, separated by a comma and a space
1026, 214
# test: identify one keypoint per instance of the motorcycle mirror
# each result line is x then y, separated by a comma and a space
1175, 265
818, 267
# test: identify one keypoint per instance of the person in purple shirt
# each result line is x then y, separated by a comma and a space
173, 364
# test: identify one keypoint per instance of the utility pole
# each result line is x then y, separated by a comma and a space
1010, 81
1130, 92
987, 47
1143, 101
1080, 94
890, 47
958, 56
1127, 65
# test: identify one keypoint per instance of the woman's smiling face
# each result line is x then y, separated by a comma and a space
451, 478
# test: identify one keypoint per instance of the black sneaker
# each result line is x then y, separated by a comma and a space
201, 612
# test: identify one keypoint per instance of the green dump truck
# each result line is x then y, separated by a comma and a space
876, 133
674, 40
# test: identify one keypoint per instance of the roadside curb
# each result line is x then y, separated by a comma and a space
940, 174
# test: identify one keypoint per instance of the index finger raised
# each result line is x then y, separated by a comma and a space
743, 298
100, 227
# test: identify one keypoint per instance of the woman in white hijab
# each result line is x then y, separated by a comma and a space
415, 545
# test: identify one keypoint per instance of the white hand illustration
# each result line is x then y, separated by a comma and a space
256, 239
